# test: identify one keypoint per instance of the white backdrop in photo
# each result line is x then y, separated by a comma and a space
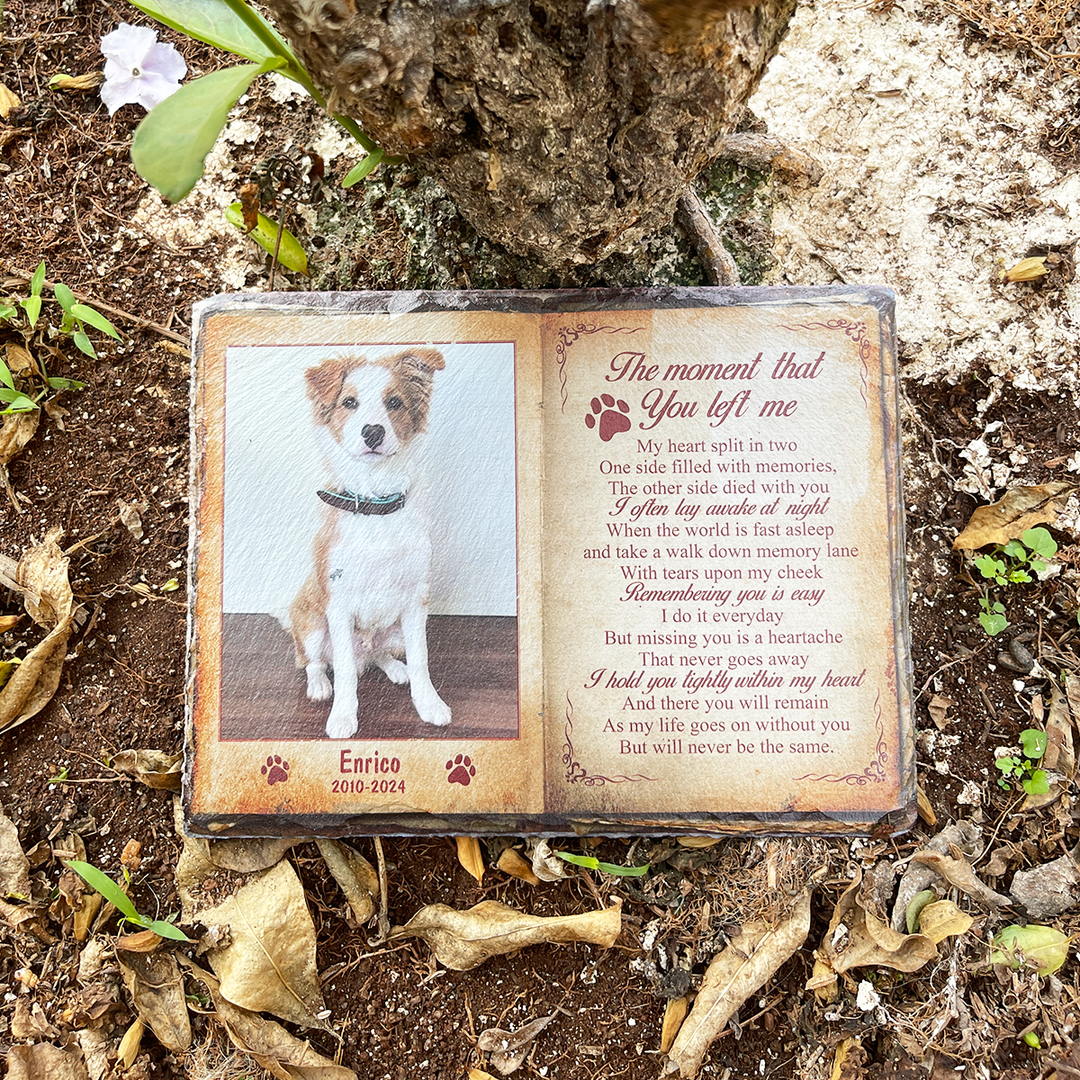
464, 475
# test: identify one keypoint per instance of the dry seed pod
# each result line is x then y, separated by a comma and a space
1026, 270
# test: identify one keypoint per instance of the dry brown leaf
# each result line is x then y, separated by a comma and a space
90, 81
938, 708
30, 1022
43, 1061
281, 1054
470, 856
269, 963
747, 963
943, 919
925, 808
16, 430
157, 989
9, 101
130, 1044
1022, 508
245, 856
479, 1074
674, 1015
463, 939
9, 622
512, 862
41, 577
20, 360
508, 1049
858, 938
958, 872
848, 1060
358, 879
154, 768
14, 866
144, 941
697, 842
547, 866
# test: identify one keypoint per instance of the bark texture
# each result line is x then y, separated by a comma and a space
564, 129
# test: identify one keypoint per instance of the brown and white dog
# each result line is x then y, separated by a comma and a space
366, 598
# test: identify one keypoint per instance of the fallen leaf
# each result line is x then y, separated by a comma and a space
674, 1015
30, 1022
9, 101
157, 989
280, 1053
154, 768
858, 938
128, 1050
269, 963
14, 866
848, 1060
547, 866
143, 941
16, 430
470, 857
696, 842
9, 622
958, 872
43, 1061
357, 878
509, 1048
56, 412
245, 856
938, 708
90, 81
513, 863
463, 939
1043, 947
1010, 517
479, 1074
735, 973
130, 517
1026, 270
943, 919
41, 577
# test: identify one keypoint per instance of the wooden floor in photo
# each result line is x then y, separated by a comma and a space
473, 664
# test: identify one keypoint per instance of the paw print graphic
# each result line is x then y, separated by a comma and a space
613, 416
275, 770
461, 770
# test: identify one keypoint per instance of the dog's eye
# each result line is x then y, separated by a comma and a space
393, 403
350, 403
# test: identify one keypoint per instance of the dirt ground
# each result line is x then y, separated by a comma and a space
991, 384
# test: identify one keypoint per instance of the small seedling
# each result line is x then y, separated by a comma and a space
1022, 769
992, 616
116, 896
1013, 563
608, 868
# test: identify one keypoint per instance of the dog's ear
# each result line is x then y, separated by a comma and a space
324, 385
427, 361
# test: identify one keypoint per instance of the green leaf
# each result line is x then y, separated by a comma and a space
1034, 743
5, 375
363, 168
171, 144
37, 282
1037, 783
8, 311
215, 23
64, 295
19, 402
107, 887
1015, 550
1046, 948
98, 321
57, 383
83, 343
608, 868
993, 624
290, 253
915, 906
166, 929
32, 306
1040, 542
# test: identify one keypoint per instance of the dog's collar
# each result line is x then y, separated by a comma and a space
346, 500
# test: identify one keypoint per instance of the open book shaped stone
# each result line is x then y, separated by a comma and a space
606, 562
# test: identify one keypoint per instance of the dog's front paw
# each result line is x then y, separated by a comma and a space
319, 686
395, 670
432, 709
341, 726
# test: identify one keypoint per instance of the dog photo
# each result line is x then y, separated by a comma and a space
370, 544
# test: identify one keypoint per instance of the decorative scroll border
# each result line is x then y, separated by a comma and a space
568, 335
874, 773
857, 332
576, 773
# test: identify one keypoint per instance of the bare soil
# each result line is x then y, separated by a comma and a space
69, 196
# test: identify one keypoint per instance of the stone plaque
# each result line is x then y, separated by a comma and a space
605, 561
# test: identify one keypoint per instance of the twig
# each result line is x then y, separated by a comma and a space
384, 918
138, 320
698, 226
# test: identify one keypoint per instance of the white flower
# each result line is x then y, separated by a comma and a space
138, 68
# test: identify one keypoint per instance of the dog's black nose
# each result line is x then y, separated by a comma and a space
373, 435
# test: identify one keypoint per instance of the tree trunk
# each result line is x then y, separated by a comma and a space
565, 130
